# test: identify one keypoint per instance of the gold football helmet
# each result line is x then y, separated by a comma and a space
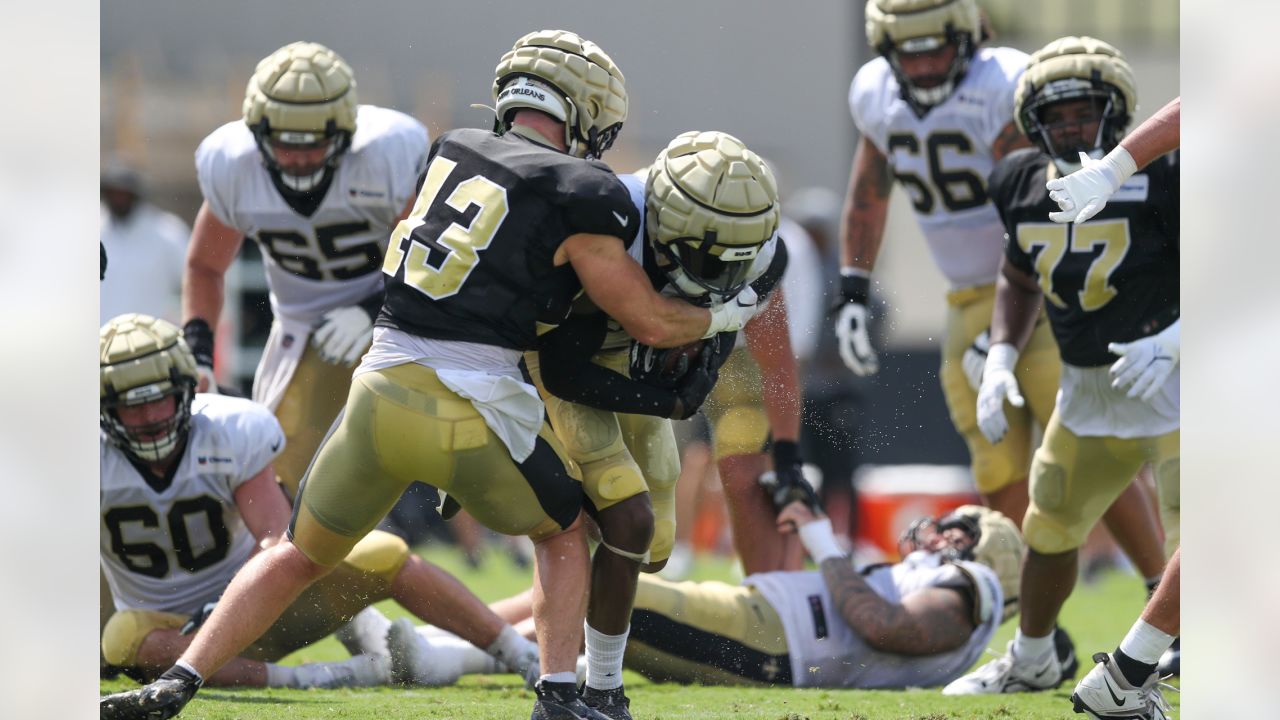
143, 359
1076, 68
710, 205
917, 26
977, 534
569, 78
302, 96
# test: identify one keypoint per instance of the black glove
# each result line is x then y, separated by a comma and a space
694, 387
199, 337
197, 618
655, 366
785, 483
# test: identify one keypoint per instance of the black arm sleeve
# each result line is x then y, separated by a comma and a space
564, 359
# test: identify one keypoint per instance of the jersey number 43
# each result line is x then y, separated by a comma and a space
438, 261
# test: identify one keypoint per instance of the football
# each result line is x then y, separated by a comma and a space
677, 360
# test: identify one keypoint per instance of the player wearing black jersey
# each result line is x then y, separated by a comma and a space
710, 209
508, 226
1111, 289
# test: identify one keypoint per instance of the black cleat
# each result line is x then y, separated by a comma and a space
613, 704
560, 701
159, 700
1065, 648
1171, 661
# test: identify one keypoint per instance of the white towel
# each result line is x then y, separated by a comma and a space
511, 408
280, 358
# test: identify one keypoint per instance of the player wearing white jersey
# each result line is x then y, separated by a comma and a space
935, 112
318, 182
188, 495
917, 623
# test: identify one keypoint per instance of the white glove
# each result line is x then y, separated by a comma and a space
1084, 193
855, 341
733, 313
1145, 364
343, 335
998, 385
206, 383
975, 358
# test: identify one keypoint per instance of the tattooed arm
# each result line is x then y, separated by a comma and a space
1009, 139
865, 208
927, 622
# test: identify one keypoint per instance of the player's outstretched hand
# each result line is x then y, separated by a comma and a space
796, 515
1084, 193
998, 385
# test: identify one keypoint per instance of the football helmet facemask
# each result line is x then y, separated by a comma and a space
143, 359
895, 27
976, 534
1076, 68
569, 78
710, 206
302, 99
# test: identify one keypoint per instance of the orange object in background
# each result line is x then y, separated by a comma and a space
891, 497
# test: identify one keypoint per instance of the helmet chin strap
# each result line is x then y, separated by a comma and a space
303, 183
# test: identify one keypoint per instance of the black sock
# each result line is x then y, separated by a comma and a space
178, 672
1135, 672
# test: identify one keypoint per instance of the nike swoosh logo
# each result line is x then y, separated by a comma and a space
276, 446
622, 219
1119, 703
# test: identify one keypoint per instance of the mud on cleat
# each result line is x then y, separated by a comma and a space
159, 700
613, 704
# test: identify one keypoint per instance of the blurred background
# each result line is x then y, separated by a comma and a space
774, 74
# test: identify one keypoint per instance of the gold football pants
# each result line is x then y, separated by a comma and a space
1000, 465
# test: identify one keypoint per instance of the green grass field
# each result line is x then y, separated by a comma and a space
1097, 617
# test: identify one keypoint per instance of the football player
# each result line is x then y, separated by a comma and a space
917, 623
508, 226
935, 112
188, 494
1110, 287
708, 213
319, 182
1151, 647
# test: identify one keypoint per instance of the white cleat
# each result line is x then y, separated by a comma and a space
1009, 673
1105, 694
412, 661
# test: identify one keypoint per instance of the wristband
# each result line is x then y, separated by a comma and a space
199, 338
855, 285
785, 453
1001, 356
818, 538
1120, 162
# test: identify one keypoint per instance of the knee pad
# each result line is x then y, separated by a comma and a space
380, 554
125, 631
612, 479
741, 430
1043, 529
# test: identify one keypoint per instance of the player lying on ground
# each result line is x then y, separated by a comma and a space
188, 494
439, 397
1110, 287
920, 622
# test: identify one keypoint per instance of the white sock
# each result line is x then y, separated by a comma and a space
1031, 648
470, 658
513, 651
431, 632
356, 671
560, 677
604, 658
365, 633
1145, 642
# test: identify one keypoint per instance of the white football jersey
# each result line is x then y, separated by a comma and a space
635, 182
175, 550
826, 652
943, 159
333, 258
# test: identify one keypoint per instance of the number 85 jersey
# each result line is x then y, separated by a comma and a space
175, 547
944, 158
328, 256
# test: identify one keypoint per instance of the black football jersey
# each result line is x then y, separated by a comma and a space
1111, 279
474, 261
